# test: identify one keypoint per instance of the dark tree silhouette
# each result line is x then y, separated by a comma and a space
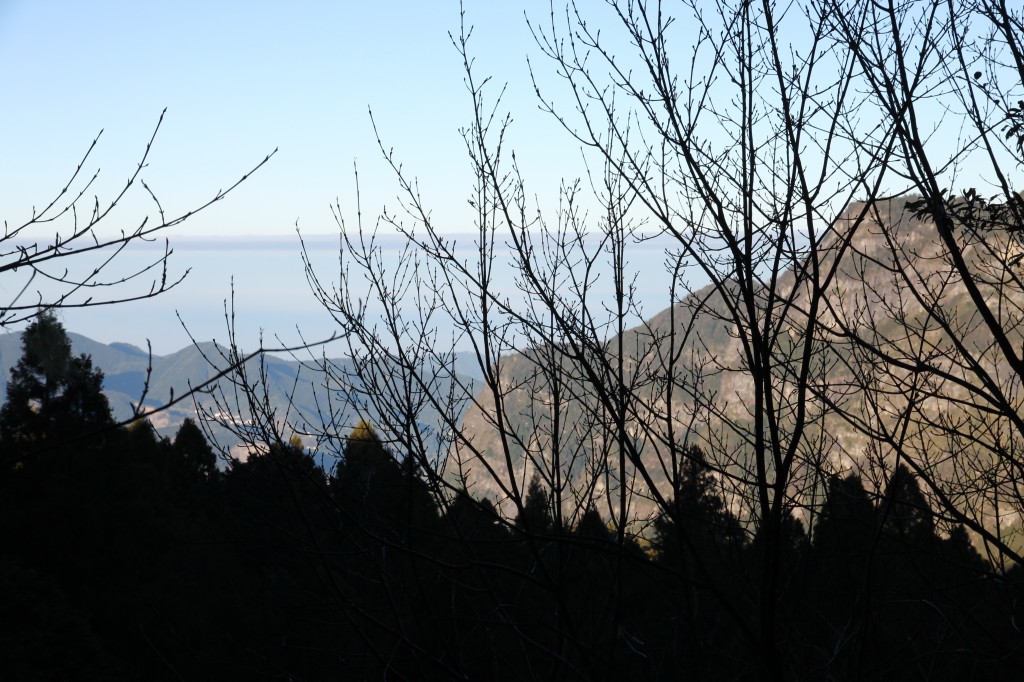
697, 518
536, 517
845, 524
52, 395
193, 451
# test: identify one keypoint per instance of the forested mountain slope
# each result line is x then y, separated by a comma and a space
886, 326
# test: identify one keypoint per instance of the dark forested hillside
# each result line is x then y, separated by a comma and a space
808, 466
127, 555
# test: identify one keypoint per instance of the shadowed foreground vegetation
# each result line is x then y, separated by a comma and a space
129, 556
823, 423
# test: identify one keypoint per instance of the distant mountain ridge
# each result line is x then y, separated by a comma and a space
126, 367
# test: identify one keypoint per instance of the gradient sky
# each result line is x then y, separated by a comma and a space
240, 79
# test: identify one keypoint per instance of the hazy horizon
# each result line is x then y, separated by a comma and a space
271, 292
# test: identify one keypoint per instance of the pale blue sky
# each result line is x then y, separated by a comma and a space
241, 78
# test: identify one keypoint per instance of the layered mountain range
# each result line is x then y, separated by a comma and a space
291, 389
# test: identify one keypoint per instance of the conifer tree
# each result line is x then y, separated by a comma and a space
698, 509
52, 396
844, 526
536, 516
905, 512
193, 451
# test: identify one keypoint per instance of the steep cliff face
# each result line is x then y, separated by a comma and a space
895, 360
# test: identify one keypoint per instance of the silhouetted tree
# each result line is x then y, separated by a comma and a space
845, 524
904, 514
52, 395
536, 517
701, 542
367, 482
193, 451
592, 526
697, 519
